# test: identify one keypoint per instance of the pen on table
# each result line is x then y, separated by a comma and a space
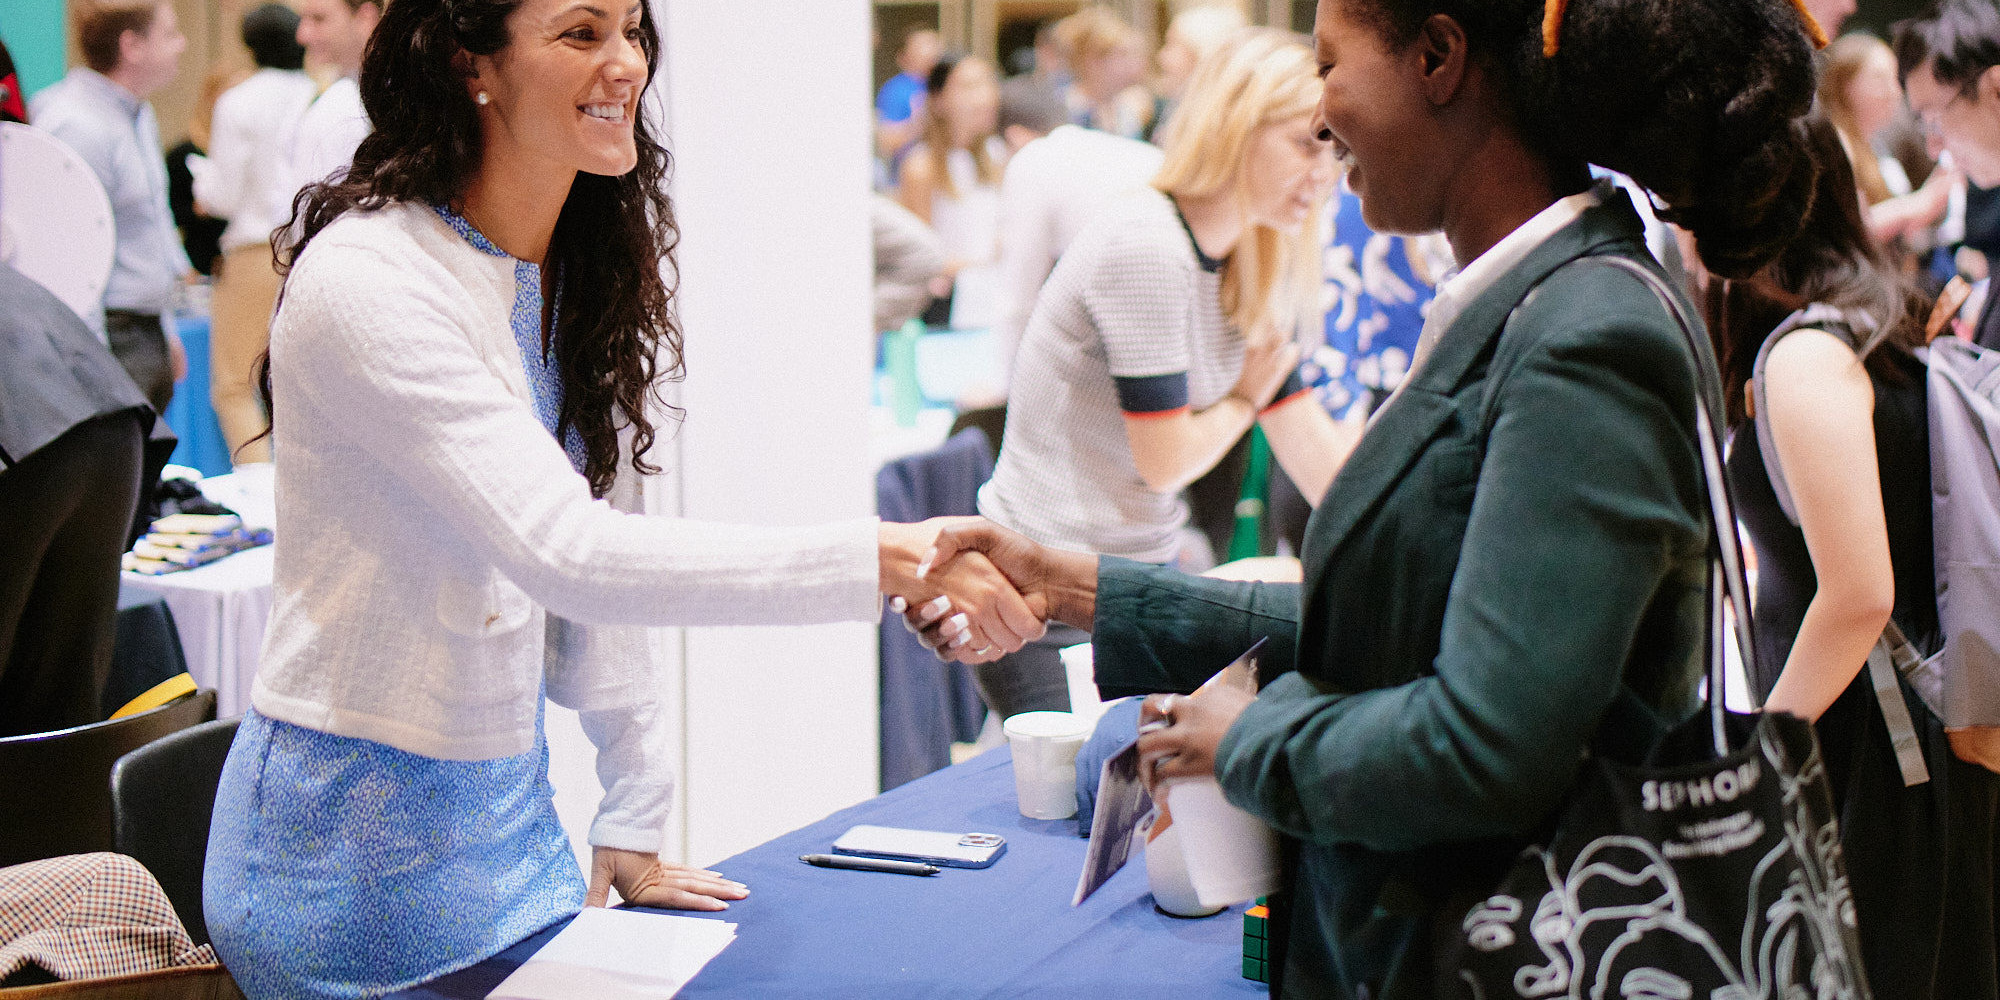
868, 864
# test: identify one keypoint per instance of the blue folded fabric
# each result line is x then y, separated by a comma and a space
1117, 727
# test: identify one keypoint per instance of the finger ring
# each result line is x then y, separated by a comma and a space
982, 651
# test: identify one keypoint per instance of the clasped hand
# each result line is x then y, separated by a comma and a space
971, 590
978, 615
973, 582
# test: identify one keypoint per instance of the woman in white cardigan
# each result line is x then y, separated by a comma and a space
461, 365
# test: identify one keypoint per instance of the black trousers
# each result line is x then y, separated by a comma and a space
1032, 680
139, 342
69, 510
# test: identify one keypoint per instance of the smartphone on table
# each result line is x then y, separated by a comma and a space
953, 850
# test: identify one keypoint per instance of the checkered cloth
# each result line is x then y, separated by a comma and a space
90, 915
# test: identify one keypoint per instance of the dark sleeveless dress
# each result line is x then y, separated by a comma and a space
1921, 860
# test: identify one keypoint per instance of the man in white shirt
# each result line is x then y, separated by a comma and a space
335, 34
242, 180
131, 49
1055, 182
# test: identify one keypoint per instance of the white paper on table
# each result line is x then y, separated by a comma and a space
609, 954
1231, 855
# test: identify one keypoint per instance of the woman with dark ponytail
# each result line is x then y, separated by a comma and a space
1509, 573
463, 373
1843, 414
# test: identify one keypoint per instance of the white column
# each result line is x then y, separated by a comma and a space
767, 114
770, 129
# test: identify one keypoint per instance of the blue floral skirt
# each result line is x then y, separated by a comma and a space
342, 868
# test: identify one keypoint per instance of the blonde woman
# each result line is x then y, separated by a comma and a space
1107, 59
951, 179
1164, 333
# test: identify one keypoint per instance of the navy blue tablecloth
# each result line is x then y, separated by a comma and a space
1004, 931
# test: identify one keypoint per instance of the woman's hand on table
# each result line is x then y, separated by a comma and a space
989, 616
1057, 585
642, 878
1184, 746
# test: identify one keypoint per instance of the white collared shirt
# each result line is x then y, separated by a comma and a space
321, 142
246, 180
117, 134
1472, 280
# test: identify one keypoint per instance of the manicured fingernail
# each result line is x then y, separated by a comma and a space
934, 609
959, 623
961, 639
924, 564
897, 605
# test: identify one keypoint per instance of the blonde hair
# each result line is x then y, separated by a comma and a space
1845, 59
1208, 27
1093, 31
1260, 77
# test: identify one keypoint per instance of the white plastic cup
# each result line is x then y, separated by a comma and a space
1045, 745
1167, 874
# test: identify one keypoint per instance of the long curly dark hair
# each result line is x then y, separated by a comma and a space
617, 339
1699, 101
1833, 261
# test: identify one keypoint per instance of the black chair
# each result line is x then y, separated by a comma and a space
58, 785
161, 798
145, 650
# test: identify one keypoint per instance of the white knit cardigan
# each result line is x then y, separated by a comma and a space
439, 559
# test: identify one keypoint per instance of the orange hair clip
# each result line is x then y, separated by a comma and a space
1552, 22
1813, 29
1553, 10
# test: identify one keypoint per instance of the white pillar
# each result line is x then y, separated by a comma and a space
768, 119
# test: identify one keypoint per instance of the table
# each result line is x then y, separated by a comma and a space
221, 609
191, 413
1005, 931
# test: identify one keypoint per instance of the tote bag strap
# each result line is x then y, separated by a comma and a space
1726, 580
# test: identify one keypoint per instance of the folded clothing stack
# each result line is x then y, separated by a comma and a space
184, 541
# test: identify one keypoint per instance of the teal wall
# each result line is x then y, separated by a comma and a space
36, 37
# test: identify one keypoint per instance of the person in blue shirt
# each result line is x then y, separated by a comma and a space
1378, 288
131, 50
902, 95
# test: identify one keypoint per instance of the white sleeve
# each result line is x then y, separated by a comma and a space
375, 353
609, 674
326, 142
1027, 252
220, 188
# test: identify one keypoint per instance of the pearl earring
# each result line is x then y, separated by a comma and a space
482, 98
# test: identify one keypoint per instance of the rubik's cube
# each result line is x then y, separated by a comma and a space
1256, 942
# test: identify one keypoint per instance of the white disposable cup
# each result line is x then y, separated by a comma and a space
1044, 745
1167, 874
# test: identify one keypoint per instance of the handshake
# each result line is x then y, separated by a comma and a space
974, 591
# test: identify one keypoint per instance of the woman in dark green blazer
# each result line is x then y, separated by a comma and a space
1508, 573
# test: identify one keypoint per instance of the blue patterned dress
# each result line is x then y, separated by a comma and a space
342, 868
1376, 299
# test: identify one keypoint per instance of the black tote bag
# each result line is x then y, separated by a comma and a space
1707, 873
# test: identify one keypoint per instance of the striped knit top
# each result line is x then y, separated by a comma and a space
1130, 322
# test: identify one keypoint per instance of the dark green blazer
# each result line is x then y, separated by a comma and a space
1508, 573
